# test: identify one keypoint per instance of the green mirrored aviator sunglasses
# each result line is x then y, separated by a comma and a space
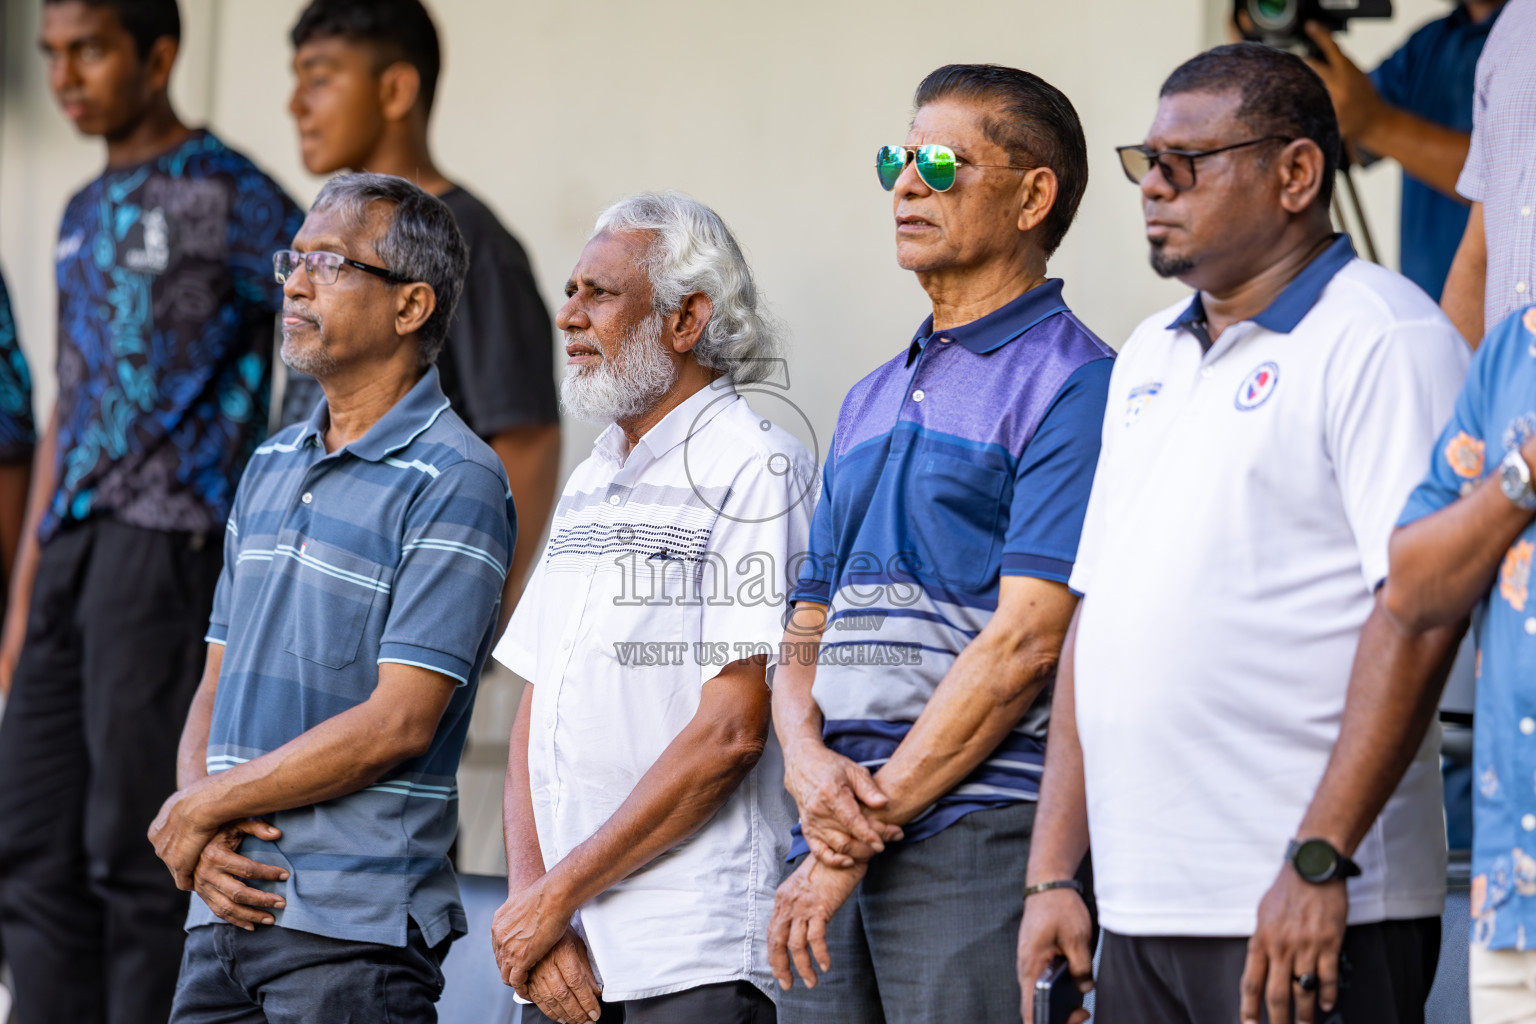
935, 165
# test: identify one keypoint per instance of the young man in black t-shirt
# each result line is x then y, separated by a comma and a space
366, 77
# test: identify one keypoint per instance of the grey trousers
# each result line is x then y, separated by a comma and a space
733, 1002
932, 932
1386, 973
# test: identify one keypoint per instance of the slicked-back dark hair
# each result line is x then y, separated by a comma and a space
145, 20
401, 30
1278, 95
1034, 121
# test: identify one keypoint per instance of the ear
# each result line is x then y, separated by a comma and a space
1300, 167
684, 328
414, 305
399, 86
159, 62
1037, 194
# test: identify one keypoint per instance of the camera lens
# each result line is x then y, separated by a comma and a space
1273, 15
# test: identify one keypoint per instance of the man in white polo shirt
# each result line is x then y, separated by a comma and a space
1259, 442
646, 817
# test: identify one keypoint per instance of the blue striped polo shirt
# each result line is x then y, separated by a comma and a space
967, 457
390, 549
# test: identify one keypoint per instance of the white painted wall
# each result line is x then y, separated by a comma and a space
770, 113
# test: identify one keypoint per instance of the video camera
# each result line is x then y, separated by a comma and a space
1281, 22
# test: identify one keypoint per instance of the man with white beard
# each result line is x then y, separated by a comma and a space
646, 819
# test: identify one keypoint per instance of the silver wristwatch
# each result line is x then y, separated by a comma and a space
1515, 480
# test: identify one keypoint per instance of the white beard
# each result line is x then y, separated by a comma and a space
623, 385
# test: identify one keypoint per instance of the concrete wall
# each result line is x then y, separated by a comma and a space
771, 113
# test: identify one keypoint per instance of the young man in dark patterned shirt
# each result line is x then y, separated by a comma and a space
18, 435
166, 317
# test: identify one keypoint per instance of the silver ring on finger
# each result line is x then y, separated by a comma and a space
1307, 982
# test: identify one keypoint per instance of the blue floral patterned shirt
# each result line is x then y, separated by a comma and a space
18, 435
1495, 413
167, 306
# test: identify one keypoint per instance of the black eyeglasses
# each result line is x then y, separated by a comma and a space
324, 267
1177, 165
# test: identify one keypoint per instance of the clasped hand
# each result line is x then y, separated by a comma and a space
834, 795
542, 957
202, 857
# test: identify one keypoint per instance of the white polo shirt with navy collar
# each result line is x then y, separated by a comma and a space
1236, 534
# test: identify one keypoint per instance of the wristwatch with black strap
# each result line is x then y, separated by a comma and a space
1318, 862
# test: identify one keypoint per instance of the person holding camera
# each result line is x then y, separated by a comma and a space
1416, 108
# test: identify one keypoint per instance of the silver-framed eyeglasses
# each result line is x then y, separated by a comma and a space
324, 267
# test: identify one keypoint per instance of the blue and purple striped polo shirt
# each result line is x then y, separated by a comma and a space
966, 458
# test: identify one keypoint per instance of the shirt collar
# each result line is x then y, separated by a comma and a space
1000, 326
402, 424
674, 428
1295, 301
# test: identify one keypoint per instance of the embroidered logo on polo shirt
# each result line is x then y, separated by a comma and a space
1257, 387
1515, 575
1139, 398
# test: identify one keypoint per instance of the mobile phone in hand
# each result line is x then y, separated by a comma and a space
1056, 994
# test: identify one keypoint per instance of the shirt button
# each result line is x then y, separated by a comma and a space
1208, 372
614, 500
1528, 822
1530, 626
307, 498
565, 645
1520, 287
1525, 211
918, 396
1528, 725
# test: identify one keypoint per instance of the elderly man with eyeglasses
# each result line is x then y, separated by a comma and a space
363, 566
1246, 744
930, 613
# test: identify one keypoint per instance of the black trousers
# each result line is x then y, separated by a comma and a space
731, 1002
90, 919
1386, 971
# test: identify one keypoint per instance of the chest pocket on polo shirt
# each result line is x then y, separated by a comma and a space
336, 592
954, 507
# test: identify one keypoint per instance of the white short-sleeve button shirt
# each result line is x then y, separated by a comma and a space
664, 563
1237, 531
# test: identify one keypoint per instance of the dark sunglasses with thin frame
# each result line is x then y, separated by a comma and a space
1177, 165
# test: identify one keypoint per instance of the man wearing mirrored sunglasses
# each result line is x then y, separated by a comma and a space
363, 565
912, 704
1266, 827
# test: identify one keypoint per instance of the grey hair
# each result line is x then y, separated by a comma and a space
693, 251
421, 243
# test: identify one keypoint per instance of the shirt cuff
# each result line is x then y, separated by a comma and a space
442, 662
218, 633
815, 591
1038, 566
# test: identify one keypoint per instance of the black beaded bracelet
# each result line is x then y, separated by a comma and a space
1069, 883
